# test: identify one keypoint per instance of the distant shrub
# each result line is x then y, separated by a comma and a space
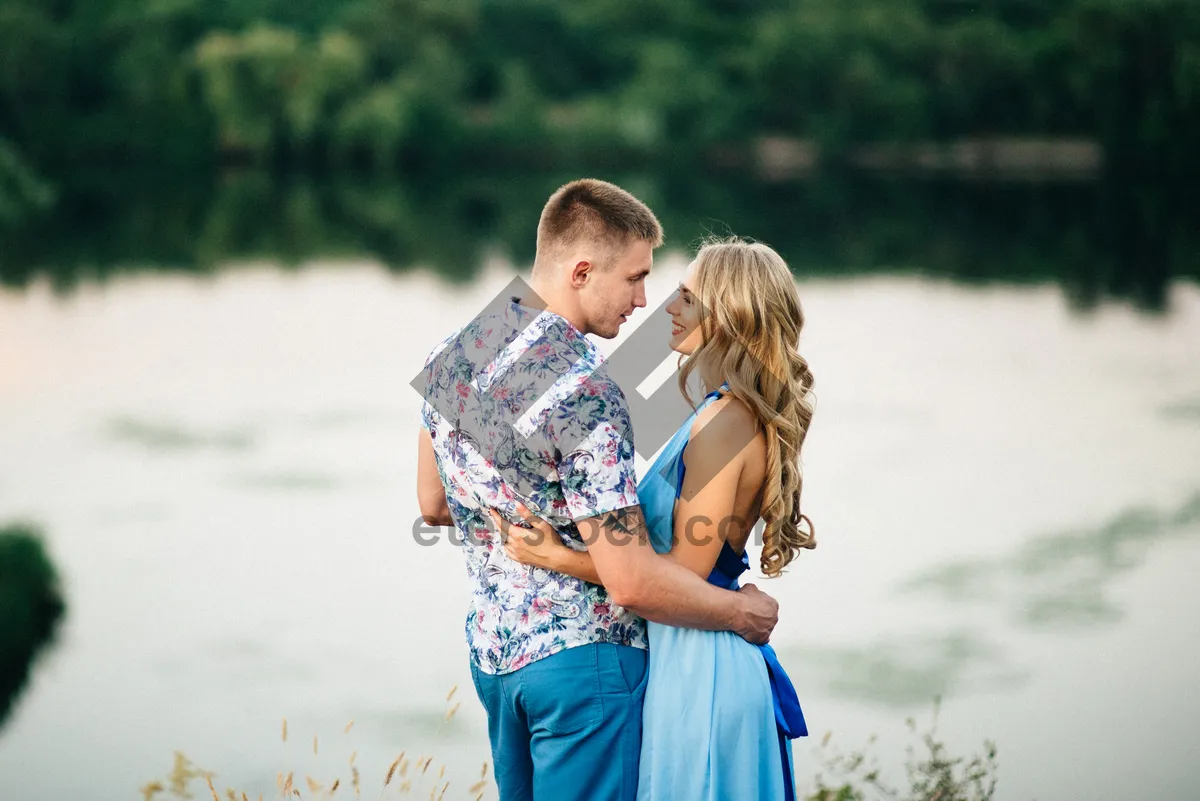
31, 606
932, 773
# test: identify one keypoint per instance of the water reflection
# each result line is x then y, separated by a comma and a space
1185, 409
32, 608
1097, 239
345, 418
909, 671
165, 435
236, 662
1062, 580
288, 481
175, 437
1055, 582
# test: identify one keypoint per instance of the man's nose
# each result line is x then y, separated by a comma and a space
639, 298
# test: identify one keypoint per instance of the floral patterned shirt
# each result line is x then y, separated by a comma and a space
519, 407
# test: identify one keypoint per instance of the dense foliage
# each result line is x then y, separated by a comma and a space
419, 83
30, 608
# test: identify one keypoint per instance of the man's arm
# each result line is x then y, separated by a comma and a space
665, 592
596, 466
431, 495
704, 515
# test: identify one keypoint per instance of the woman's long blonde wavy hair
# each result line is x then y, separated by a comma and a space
750, 321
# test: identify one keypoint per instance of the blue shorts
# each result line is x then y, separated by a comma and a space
568, 726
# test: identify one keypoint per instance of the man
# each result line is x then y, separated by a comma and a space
519, 409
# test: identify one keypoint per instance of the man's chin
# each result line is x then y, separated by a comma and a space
609, 331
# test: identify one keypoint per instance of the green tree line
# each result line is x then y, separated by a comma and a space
420, 84
1098, 242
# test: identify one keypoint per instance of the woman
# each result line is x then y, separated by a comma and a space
719, 712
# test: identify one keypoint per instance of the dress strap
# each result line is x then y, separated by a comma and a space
715, 393
730, 563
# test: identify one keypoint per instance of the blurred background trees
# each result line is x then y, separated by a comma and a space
409, 83
377, 122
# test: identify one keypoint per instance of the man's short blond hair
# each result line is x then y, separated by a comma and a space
596, 211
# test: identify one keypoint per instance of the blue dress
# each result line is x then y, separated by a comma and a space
720, 713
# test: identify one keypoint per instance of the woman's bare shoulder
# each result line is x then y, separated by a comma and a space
725, 421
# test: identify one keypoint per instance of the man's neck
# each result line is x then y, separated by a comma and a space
553, 304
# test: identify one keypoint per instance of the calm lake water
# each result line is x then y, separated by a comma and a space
1006, 489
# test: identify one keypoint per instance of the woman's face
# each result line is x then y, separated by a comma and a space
684, 309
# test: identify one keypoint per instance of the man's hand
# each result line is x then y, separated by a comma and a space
759, 614
537, 546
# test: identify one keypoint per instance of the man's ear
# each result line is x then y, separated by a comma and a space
580, 273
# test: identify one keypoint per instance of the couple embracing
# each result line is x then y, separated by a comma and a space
611, 644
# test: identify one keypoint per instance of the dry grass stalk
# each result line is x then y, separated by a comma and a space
181, 774
184, 771
453, 709
450, 695
150, 790
391, 772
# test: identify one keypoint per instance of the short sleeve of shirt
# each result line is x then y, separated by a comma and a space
427, 411
593, 437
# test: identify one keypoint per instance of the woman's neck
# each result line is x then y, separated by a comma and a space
713, 378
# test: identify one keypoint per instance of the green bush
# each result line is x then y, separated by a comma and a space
31, 606
932, 773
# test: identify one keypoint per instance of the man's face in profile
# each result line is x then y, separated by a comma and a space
610, 295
